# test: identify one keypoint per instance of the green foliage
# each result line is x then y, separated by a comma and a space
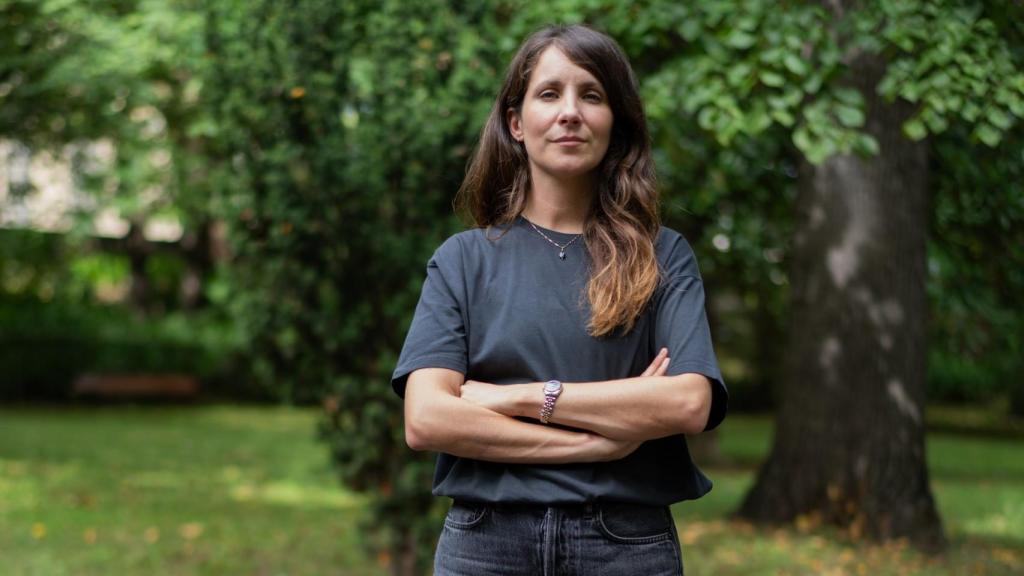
953, 63
76, 74
345, 129
976, 268
779, 65
45, 345
31, 263
55, 326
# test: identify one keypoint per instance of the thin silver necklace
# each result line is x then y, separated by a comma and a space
561, 247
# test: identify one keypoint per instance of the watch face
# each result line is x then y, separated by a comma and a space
552, 386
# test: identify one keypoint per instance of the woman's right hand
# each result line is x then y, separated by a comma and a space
659, 365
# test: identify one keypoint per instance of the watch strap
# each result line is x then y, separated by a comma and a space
549, 401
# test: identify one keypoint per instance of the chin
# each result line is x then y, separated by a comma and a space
571, 170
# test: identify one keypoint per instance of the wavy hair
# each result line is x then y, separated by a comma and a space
623, 221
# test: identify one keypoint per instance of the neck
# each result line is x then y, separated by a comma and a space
559, 205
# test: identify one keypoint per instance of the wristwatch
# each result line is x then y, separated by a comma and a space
552, 388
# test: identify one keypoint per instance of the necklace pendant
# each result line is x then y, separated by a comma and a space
561, 254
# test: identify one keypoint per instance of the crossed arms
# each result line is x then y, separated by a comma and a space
471, 419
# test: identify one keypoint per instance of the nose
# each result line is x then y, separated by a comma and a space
570, 112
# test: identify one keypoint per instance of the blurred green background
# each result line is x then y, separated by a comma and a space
246, 194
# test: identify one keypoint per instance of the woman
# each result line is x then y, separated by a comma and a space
528, 365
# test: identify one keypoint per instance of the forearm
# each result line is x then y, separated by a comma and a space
458, 427
640, 408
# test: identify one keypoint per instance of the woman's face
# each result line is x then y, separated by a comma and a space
566, 121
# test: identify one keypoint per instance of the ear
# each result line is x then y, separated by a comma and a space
514, 124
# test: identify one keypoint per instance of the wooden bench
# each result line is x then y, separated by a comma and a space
178, 386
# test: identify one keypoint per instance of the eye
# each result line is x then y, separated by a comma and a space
593, 97
548, 94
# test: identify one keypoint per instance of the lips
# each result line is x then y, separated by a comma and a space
569, 139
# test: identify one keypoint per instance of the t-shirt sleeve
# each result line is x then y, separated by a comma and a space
437, 335
681, 324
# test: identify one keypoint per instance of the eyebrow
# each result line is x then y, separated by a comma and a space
554, 82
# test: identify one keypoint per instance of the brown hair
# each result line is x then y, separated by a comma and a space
623, 221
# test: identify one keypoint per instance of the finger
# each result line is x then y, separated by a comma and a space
651, 367
663, 368
655, 363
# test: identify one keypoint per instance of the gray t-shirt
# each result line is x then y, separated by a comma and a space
509, 311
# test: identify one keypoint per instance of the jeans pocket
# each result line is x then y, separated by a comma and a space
465, 515
634, 523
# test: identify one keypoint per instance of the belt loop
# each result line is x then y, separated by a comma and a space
588, 510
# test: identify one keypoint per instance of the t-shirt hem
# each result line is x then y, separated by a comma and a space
694, 366
401, 375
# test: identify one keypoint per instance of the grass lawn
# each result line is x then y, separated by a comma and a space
154, 491
247, 490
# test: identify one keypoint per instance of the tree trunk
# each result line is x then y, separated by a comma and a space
197, 251
849, 441
138, 250
405, 554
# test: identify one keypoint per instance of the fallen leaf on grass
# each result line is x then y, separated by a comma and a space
1008, 557
85, 500
805, 523
692, 533
191, 530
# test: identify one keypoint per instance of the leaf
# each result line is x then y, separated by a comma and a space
953, 102
707, 117
689, 29
1000, 119
802, 139
849, 116
795, 64
866, 145
820, 151
911, 92
971, 111
813, 83
905, 43
936, 122
915, 129
988, 134
940, 80
783, 117
772, 79
850, 96
740, 40
757, 120
737, 74
1017, 107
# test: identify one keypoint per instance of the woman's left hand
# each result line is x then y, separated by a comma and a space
494, 397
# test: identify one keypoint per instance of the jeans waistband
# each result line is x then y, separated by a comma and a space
583, 508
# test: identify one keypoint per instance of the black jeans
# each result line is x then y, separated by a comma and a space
533, 540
